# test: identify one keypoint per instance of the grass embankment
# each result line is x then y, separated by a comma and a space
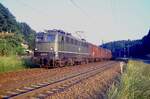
134, 83
11, 63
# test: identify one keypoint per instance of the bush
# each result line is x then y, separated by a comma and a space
10, 46
10, 63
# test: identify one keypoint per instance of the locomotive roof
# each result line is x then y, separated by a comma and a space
61, 32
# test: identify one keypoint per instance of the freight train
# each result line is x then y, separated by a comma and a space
56, 48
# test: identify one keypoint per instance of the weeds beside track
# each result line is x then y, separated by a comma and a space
134, 83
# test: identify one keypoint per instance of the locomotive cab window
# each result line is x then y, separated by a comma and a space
50, 38
40, 37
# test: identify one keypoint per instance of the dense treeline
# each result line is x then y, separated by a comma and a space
128, 48
28, 34
7, 21
146, 43
13, 33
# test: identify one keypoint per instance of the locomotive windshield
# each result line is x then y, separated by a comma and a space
50, 38
41, 37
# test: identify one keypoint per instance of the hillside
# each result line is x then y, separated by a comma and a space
146, 43
128, 48
13, 33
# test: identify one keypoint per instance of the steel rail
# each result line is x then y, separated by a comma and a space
28, 89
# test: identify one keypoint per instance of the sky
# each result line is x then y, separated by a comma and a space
100, 20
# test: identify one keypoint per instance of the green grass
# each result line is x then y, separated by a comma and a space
11, 63
134, 83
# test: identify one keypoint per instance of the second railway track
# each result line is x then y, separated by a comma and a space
46, 89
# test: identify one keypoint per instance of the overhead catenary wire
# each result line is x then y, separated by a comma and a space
90, 18
78, 7
40, 12
78, 33
43, 12
37, 10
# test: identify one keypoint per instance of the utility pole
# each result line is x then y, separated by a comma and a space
128, 51
124, 52
120, 53
102, 42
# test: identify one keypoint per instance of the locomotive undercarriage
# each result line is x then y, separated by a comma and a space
48, 60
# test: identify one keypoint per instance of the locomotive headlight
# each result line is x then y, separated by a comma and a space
79, 49
51, 48
35, 49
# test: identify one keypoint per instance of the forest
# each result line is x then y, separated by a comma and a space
13, 34
130, 48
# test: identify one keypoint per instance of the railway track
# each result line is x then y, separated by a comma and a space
53, 86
